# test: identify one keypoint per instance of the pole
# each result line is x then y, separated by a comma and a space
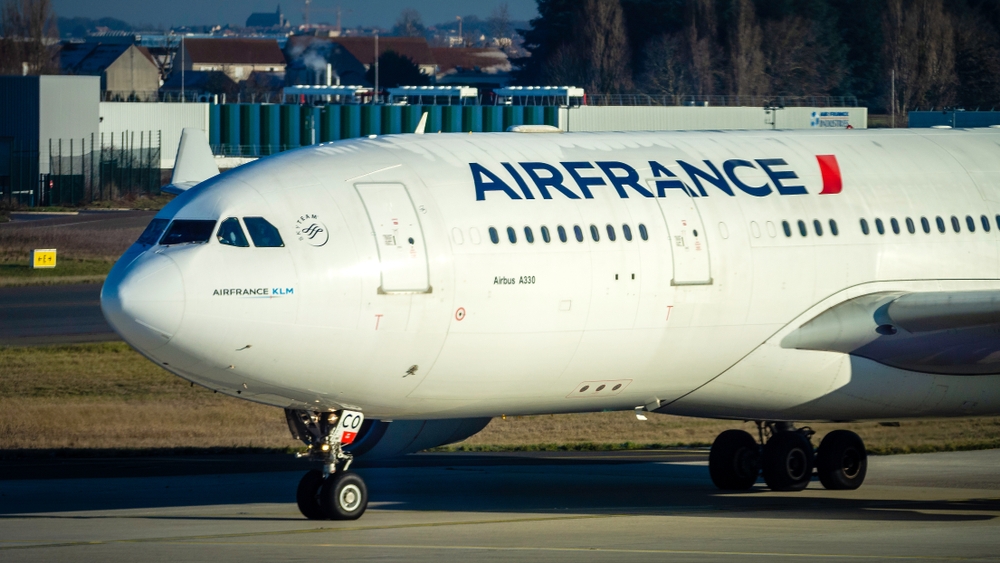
182, 69
375, 94
893, 98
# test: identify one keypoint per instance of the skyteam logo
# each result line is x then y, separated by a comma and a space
310, 229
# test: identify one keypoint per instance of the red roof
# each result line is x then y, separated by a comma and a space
363, 48
234, 51
469, 58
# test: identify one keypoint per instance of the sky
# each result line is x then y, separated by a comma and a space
382, 13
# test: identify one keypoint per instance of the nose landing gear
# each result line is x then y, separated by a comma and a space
333, 493
786, 460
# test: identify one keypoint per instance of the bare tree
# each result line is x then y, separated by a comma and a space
702, 46
664, 70
920, 50
746, 59
27, 31
795, 58
501, 32
598, 57
409, 24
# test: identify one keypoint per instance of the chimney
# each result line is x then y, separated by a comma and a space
329, 74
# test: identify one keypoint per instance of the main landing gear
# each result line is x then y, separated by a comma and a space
333, 493
786, 459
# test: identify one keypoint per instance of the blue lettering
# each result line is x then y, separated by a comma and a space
584, 183
555, 180
663, 185
494, 183
778, 175
730, 167
717, 180
630, 179
520, 181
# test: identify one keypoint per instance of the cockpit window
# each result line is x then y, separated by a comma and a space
263, 233
153, 231
231, 233
182, 231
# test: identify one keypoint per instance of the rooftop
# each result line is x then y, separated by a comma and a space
234, 51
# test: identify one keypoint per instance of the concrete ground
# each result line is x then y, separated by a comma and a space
629, 506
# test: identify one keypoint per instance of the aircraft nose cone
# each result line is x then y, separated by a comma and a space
144, 301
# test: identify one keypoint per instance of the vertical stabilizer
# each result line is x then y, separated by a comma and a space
194, 164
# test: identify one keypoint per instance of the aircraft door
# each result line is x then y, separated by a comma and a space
398, 236
688, 242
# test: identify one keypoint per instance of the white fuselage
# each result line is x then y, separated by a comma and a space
409, 310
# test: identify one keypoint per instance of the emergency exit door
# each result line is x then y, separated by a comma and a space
401, 250
688, 242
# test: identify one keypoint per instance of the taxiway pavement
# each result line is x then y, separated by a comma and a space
630, 506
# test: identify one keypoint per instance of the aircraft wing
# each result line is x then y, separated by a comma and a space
194, 164
948, 333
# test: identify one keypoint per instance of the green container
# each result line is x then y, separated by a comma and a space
552, 116
534, 115
350, 121
250, 129
492, 118
451, 117
472, 118
270, 129
513, 115
392, 120
411, 117
330, 124
371, 120
290, 134
433, 119
230, 117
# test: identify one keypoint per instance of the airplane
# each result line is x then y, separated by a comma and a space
395, 293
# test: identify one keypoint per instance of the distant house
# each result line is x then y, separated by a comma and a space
199, 84
349, 57
484, 67
237, 58
267, 20
127, 71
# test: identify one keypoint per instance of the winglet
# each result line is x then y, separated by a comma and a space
422, 125
194, 164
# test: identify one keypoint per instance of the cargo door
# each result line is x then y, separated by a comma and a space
401, 250
688, 243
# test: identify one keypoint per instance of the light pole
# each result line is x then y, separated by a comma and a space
375, 93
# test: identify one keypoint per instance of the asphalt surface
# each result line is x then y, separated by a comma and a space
631, 506
52, 314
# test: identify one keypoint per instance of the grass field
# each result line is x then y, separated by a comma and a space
107, 397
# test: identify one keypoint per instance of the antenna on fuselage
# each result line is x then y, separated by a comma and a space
422, 125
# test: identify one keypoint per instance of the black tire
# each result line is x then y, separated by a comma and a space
787, 461
307, 495
344, 496
734, 461
841, 461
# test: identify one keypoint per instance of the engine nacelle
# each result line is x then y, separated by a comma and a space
379, 440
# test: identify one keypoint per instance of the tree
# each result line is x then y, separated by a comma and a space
409, 24
598, 56
977, 61
920, 49
746, 60
397, 70
27, 29
501, 33
664, 71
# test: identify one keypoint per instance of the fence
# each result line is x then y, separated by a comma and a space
725, 101
19, 184
107, 168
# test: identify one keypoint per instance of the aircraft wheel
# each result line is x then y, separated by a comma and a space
344, 496
734, 461
841, 460
307, 495
787, 461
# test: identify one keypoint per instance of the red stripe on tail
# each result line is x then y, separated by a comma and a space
828, 166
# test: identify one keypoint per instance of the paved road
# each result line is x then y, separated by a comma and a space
52, 314
528, 507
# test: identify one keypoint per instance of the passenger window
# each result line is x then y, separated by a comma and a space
955, 224
578, 232
880, 226
925, 224
627, 232
529, 236
833, 228
998, 221
153, 231
185, 231
594, 233
818, 227
971, 223
231, 233
512, 235
611, 233
986, 223
895, 225
562, 233
864, 227
545, 235
910, 226
494, 236
940, 224
643, 234
787, 228
262, 233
